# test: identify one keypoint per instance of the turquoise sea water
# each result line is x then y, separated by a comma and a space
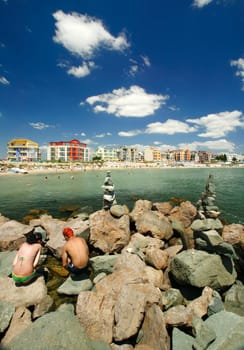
20, 193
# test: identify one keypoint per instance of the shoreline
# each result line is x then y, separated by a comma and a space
75, 169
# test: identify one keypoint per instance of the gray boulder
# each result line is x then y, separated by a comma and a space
103, 263
199, 269
75, 284
55, 330
6, 312
6, 263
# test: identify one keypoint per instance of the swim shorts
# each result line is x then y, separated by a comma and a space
23, 279
74, 269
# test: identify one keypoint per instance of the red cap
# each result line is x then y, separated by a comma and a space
68, 232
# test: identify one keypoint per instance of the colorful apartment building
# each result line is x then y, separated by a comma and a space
23, 150
68, 151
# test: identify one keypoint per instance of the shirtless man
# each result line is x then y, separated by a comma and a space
75, 253
26, 259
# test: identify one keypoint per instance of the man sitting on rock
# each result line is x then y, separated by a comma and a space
26, 259
75, 253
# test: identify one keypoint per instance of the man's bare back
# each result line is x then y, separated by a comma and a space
76, 252
26, 259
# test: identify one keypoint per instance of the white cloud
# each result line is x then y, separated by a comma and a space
103, 135
89, 142
81, 71
220, 124
4, 81
240, 69
84, 35
40, 125
170, 127
217, 145
82, 134
134, 102
201, 3
130, 133
146, 61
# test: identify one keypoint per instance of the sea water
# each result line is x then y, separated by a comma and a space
53, 191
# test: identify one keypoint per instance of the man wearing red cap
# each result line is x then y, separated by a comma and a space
75, 253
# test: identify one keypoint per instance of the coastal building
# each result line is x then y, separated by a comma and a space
152, 154
107, 154
68, 151
23, 150
128, 154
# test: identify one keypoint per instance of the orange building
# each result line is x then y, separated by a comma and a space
67, 151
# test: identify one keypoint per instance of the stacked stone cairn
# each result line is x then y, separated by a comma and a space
161, 277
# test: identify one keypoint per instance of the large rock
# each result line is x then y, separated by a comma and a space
107, 233
20, 321
28, 295
55, 330
12, 235
130, 308
154, 329
228, 328
199, 269
103, 263
6, 263
6, 312
154, 223
75, 284
185, 213
95, 312
139, 208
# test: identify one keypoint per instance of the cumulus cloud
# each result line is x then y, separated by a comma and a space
130, 133
82, 71
201, 3
220, 124
82, 134
170, 127
217, 145
40, 125
4, 81
83, 35
239, 64
89, 142
103, 134
134, 102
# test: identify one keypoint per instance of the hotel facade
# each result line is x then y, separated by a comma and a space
23, 150
68, 151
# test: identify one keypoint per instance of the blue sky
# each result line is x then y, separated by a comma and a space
164, 73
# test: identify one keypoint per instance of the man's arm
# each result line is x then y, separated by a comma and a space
37, 258
65, 261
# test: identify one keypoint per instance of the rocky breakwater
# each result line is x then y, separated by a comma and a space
163, 278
